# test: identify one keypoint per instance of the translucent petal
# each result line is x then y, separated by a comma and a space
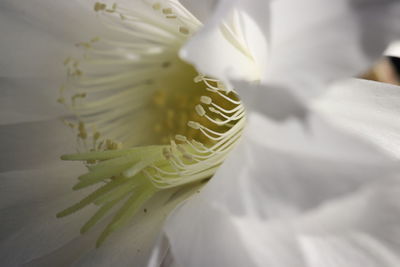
34, 144
369, 109
360, 229
201, 9
394, 49
278, 171
315, 42
30, 200
241, 56
29, 99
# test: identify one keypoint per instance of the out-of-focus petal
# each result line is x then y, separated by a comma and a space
233, 42
369, 109
394, 49
29, 99
40, 33
360, 229
274, 102
279, 170
133, 244
315, 42
37, 37
365, 223
34, 144
202, 10
30, 200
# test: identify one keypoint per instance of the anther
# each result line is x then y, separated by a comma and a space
166, 153
99, 6
96, 136
187, 156
156, 6
198, 78
95, 39
166, 64
194, 125
67, 60
167, 11
197, 143
61, 100
200, 110
205, 100
183, 30
181, 138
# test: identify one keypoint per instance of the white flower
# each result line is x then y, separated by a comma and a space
243, 47
301, 192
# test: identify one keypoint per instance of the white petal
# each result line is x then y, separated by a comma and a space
132, 245
200, 9
278, 171
38, 37
315, 42
201, 235
274, 102
215, 54
34, 144
394, 49
30, 200
369, 109
29, 99
360, 230
41, 34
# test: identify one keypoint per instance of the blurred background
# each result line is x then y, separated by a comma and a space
388, 68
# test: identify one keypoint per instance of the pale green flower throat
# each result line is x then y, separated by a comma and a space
146, 120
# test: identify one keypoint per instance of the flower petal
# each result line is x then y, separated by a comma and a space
30, 200
34, 144
40, 35
238, 52
29, 99
369, 109
360, 229
201, 10
278, 171
315, 42
394, 49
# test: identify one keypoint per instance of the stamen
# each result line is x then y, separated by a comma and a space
184, 30
136, 91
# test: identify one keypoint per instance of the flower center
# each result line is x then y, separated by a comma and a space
146, 120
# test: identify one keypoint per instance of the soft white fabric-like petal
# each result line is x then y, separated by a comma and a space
315, 42
358, 230
133, 244
274, 102
366, 223
233, 42
200, 9
41, 33
38, 37
369, 109
394, 49
30, 200
193, 243
277, 171
29, 99
35, 185
34, 144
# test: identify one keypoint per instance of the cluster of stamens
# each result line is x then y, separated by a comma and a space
146, 120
